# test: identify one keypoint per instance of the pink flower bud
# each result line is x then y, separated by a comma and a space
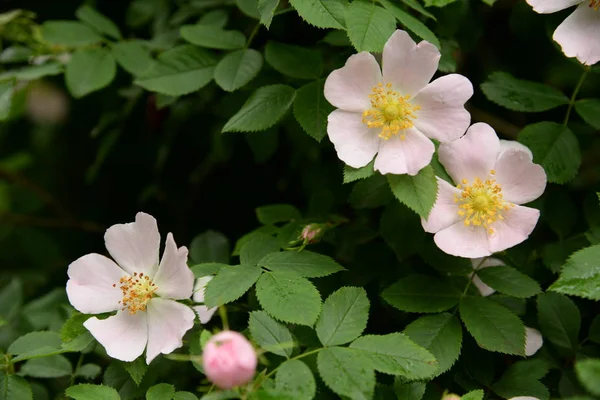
311, 232
229, 360
451, 397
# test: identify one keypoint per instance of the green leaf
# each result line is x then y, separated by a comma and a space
89, 70
136, 369
213, 37
162, 391
230, 284
238, 68
322, 13
184, 396
311, 109
249, 7
522, 379
262, 110
521, 95
372, 192
210, 247
204, 269
181, 70
408, 390
439, 3
422, 293
509, 281
415, 5
441, 335
559, 320
47, 367
35, 343
347, 372
555, 148
588, 372
344, 316
33, 72
275, 213
133, 56
270, 335
258, 247
474, 395
417, 192
73, 327
580, 276
411, 23
6, 94
294, 378
89, 371
216, 17
304, 264
289, 298
493, 326
98, 21
396, 354
266, 9
369, 26
354, 174
295, 61
589, 111
13, 387
69, 33
92, 392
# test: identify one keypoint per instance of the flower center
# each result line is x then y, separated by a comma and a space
480, 204
595, 4
137, 292
389, 111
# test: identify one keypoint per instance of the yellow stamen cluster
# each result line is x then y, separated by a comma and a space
137, 291
389, 111
595, 4
481, 204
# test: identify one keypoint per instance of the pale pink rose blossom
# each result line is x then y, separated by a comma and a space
523, 398
204, 313
140, 289
578, 34
393, 110
482, 214
533, 341
229, 360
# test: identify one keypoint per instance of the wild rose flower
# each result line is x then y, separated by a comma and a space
229, 360
204, 313
578, 34
482, 214
523, 398
392, 112
138, 287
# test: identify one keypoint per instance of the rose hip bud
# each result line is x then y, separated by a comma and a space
229, 360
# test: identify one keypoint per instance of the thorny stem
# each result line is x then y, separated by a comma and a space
574, 95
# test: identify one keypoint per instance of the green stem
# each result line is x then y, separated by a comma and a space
308, 353
223, 314
79, 362
574, 95
252, 34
